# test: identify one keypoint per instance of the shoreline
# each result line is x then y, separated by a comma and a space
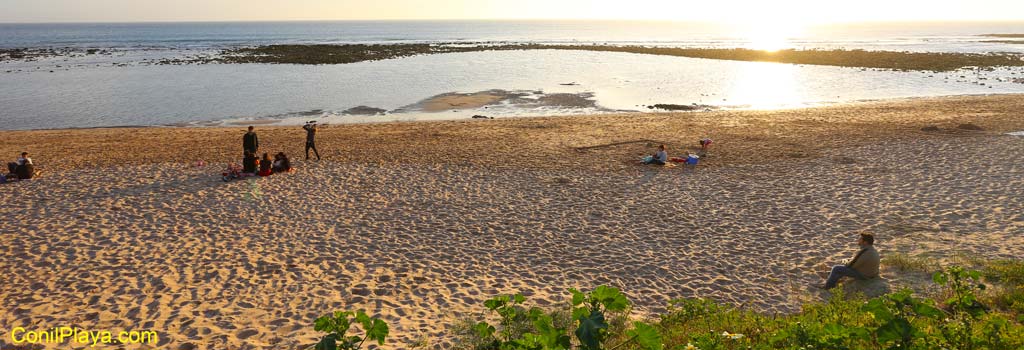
419, 223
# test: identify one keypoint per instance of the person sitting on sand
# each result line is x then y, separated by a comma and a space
863, 266
12, 167
266, 165
281, 163
659, 158
250, 163
23, 168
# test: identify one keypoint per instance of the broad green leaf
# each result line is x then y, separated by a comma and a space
894, 330
835, 330
901, 297
496, 302
484, 330
611, 298
378, 331
928, 311
646, 335
580, 313
363, 319
589, 331
878, 308
323, 324
940, 278
329, 342
577, 297
518, 298
859, 333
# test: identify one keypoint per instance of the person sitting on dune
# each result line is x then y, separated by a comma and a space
863, 266
281, 163
250, 163
266, 165
659, 158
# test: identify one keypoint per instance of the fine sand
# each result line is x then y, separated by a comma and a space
421, 222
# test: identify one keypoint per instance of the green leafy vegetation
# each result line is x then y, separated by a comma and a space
351, 53
965, 317
905, 262
338, 324
899, 320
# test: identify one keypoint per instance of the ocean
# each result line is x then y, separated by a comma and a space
122, 88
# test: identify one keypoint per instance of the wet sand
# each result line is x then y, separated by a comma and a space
421, 222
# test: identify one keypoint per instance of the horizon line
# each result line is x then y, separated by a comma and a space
505, 20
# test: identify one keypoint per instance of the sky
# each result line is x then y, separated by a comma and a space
802, 11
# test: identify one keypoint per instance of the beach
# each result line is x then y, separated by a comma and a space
420, 222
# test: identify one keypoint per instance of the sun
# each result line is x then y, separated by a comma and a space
771, 37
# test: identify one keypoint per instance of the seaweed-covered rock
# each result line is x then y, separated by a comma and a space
970, 127
364, 110
674, 107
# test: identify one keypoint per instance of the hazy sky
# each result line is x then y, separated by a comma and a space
806, 11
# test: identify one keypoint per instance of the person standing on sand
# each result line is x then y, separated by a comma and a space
251, 142
863, 266
310, 128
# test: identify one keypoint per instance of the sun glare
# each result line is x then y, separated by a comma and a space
762, 85
770, 36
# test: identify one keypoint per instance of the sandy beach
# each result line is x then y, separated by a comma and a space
420, 222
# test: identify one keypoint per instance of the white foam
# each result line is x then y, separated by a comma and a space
1017, 133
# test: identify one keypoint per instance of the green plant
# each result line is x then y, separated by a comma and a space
338, 324
1006, 271
591, 310
520, 328
962, 285
534, 329
905, 262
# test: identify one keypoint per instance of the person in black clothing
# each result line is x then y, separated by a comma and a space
249, 163
281, 163
251, 142
24, 168
310, 128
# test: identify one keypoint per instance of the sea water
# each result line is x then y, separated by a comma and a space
122, 89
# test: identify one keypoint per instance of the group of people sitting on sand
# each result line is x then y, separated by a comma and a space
661, 156
265, 166
252, 166
21, 169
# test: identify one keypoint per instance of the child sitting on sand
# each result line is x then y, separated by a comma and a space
659, 158
250, 163
266, 165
